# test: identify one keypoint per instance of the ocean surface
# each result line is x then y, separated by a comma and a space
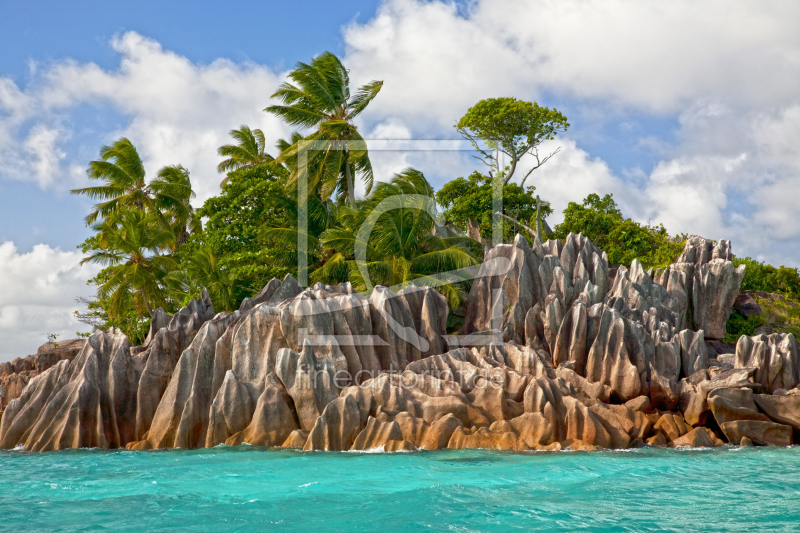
254, 489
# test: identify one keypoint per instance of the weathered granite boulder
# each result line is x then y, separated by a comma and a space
309, 380
274, 418
181, 418
91, 404
336, 428
506, 287
376, 435
715, 287
162, 355
781, 409
729, 405
22, 413
773, 356
698, 438
759, 432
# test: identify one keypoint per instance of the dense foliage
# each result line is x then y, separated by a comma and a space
767, 278
471, 198
156, 253
511, 127
621, 238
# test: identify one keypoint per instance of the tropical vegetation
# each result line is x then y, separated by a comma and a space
156, 253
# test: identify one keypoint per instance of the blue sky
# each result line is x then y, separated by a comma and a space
688, 112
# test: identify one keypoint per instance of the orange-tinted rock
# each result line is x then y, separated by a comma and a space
672, 426
376, 435
764, 433
336, 428
440, 432
698, 438
296, 439
399, 446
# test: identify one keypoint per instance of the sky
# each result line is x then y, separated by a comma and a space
687, 112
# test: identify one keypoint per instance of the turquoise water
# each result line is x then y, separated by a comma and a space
251, 489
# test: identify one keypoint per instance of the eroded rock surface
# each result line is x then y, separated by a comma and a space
562, 352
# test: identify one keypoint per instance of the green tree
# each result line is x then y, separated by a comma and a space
129, 241
621, 238
120, 167
201, 269
234, 226
511, 127
248, 152
320, 98
465, 199
401, 248
767, 278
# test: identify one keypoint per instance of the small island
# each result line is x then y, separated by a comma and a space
389, 325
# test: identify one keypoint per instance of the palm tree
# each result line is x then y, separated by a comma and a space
167, 197
130, 241
202, 270
172, 194
320, 98
248, 152
402, 248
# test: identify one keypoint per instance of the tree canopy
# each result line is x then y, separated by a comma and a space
621, 238
470, 198
512, 127
320, 98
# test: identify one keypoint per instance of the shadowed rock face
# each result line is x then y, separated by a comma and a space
578, 361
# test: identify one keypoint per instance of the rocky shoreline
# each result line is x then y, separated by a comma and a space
558, 351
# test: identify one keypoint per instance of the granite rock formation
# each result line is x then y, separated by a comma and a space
561, 351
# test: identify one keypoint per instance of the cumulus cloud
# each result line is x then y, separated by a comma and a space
727, 72
37, 296
178, 112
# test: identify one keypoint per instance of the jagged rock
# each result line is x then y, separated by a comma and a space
694, 355
309, 381
594, 390
14, 384
273, 419
91, 404
376, 435
734, 404
506, 287
672, 426
162, 355
22, 412
640, 403
698, 438
700, 251
485, 438
783, 409
181, 418
773, 356
337, 428
323, 317
759, 432
715, 287
569, 418
296, 439
570, 343
231, 411
616, 357
440, 432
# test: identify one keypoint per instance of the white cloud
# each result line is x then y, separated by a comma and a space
179, 112
728, 72
37, 296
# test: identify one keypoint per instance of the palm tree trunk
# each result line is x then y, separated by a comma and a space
351, 194
147, 305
